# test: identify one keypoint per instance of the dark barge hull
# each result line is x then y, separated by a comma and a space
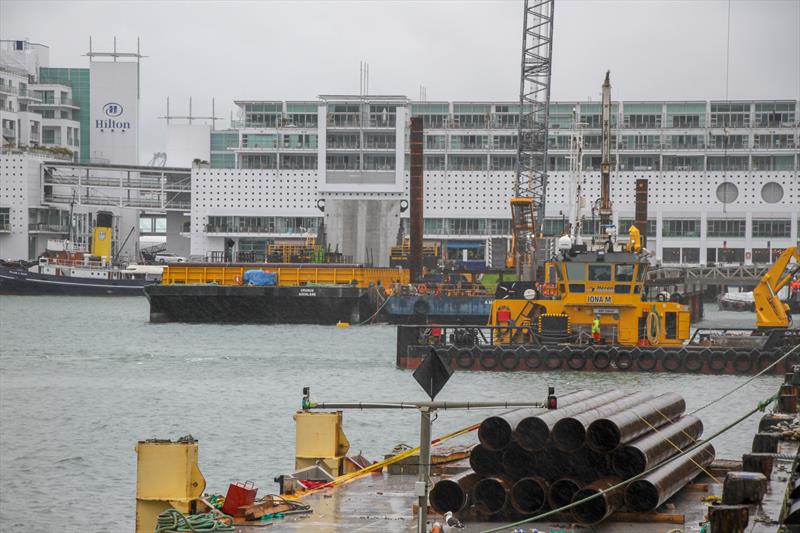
414, 343
23, 282
259, 305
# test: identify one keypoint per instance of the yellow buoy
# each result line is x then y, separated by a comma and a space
341, 324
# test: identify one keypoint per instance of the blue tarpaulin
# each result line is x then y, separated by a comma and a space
261, 278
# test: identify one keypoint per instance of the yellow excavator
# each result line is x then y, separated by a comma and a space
771, 312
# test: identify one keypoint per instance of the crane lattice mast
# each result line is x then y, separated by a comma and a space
527, 206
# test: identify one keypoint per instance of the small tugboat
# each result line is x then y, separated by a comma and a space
68, 268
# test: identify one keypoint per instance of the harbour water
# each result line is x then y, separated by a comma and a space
82, 379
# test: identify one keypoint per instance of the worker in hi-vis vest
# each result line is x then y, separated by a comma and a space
596, 329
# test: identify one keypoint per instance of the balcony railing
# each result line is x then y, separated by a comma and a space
9, 132
44, 227
5, 228
56, 102
8, 89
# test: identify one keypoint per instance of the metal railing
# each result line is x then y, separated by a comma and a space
5, 227
47, 228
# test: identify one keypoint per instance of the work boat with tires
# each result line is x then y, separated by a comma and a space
592, 313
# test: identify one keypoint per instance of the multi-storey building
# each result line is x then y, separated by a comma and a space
35, 113
723, 176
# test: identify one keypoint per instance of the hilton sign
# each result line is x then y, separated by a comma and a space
112, 109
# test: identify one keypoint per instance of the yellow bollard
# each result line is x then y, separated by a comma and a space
167, 476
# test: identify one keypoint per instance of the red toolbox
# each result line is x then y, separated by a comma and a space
239, 494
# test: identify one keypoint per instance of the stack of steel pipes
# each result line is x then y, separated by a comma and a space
532, 460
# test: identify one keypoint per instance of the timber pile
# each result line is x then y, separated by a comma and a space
532, 460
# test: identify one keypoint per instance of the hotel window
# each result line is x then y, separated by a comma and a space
671, 255
257, 161
690, 255
772, 228
624, 225
676, 162
342, 161
5, 218
343, 141
300, 141
434, 116
558, 142
643, 162
774, 114
555, 162
504, 162
727, 163
642, 116
640, 142
775, 141
379, 162
688, 142
252, 140
432, 226
301, 115
500, 226
504, 142
561, 116
725, 255
382, 115
727, 115
721, 142
433, 162
223, 161
379, 140
466, 162
506, 117
680, 228
298, 162
435, 142
469, 142
471, 116
773, 162
466, 226
223, 141
726, 228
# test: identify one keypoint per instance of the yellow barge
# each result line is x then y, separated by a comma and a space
290, 293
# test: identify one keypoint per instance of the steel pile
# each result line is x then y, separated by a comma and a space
532, 460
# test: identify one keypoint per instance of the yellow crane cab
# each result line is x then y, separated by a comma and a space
581, 285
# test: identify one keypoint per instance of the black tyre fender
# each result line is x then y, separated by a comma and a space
465, 359
421, 306
623, 359
743, 362
693, 361
673, 360
646, 360
533, 359
600, 359
509, 360
490, 359
763, 360
718, 360
553, 360
576, 359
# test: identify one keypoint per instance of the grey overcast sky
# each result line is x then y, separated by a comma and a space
457, 49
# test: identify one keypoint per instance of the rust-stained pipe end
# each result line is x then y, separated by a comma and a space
532, 434
495, 433
529, 495
485, 461
569, 435
603, 436
641, 496
562, 491
628, 462
490, 495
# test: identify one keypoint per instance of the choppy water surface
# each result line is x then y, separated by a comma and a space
83, 379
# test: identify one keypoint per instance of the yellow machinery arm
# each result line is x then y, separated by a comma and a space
771, 312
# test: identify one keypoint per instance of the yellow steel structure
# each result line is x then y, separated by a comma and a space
287, 276
101, 242
167, 476
609, 284
319, 439
771, 312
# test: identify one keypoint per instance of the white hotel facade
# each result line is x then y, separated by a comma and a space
723, 176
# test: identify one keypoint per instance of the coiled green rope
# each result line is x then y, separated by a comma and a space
173, 521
